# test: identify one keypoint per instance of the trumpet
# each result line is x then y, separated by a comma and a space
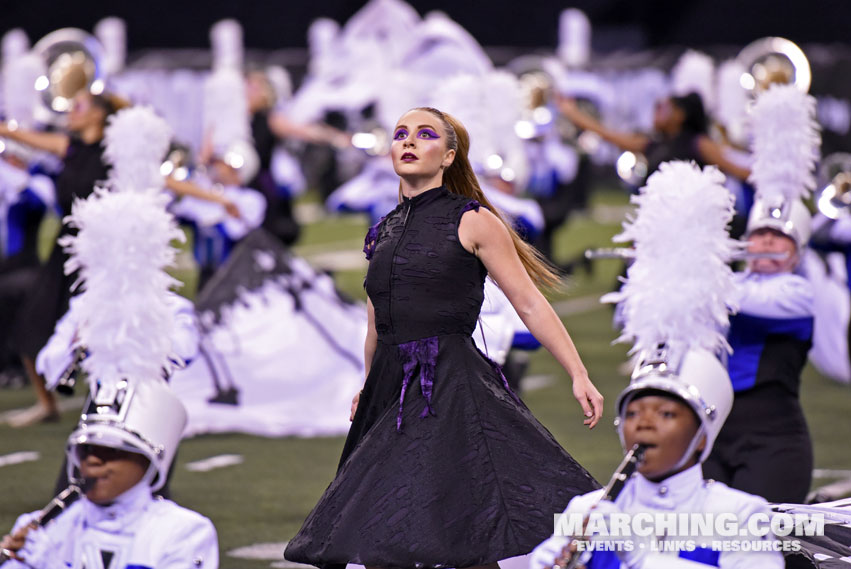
624, 470
56, 506
627, 253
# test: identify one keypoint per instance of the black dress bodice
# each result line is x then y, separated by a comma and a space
681, 147
420, 275
82, 168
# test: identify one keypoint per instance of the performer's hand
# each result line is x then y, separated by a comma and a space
566, 555
590, 400
12, 543
355, 401
40, 550
231, 209
567, 106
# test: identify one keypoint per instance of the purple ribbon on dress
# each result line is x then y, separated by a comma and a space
498, 370
471, 205
371, 240
423, 354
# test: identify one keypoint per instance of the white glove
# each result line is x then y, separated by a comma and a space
632, 550
39, 551
547, 552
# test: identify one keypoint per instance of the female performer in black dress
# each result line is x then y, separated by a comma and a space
680, 127
444, 466
82, 167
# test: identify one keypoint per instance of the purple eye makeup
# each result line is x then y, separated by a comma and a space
400, 134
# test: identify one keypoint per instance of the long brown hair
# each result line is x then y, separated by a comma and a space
459, 178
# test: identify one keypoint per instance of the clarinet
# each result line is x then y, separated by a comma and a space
68, 379
611, 491
56, 506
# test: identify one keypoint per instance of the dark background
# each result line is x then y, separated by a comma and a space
618, 24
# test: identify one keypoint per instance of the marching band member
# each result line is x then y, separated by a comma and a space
124, 449
679, 133
26, 194
82, 166
830, 277
675, 307
772, 332
232, 162
129, 432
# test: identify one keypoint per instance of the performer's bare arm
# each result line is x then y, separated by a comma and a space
484, 235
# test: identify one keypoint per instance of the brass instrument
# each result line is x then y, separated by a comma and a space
632, 168
73, 62
539, 78
834, 199
774, 60
177, 163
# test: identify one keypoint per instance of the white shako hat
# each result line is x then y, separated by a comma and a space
786, 144
679, 290
143, 417
701, 382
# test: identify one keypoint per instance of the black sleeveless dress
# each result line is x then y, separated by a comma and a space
443, 465
82, 168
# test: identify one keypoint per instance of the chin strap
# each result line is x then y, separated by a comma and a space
692, 448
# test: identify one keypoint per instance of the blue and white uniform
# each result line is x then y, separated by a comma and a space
137, 531
215, 233
684, 492
25, 196
766, 432
831, 278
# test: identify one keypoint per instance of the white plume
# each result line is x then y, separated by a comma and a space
226, 44
462, 96
20, 98
226, 109
732, 107
574, 37
14, 44
679, 288
112, 34
489, 107
121, 250
786, 144
695, 72
136, 140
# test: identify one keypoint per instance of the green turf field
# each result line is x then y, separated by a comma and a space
265, 499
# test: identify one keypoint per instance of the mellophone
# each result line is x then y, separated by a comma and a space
624, 470
56, 506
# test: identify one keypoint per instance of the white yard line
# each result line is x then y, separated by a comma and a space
578, 305
536, 382
214, 462
831, 473
72, 404
19, 457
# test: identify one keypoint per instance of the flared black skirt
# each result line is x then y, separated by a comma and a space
475, 480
